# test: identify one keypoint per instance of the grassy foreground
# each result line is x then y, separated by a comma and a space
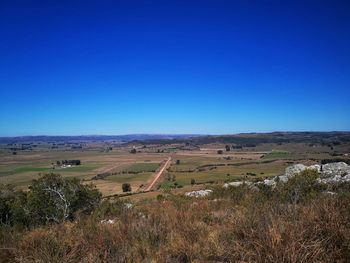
296, 222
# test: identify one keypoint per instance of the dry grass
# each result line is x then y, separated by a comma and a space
236, 226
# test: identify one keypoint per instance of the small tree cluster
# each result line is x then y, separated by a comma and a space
69, 162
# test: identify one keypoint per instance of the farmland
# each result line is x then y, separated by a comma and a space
195, 161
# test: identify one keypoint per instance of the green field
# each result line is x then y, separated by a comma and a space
279, 155
48, 169
127, 178
141, 167
231, 173
80, 168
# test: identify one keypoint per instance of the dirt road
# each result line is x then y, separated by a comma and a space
157, 175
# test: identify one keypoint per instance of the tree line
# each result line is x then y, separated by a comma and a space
69, 162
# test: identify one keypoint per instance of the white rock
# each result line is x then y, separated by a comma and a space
128, 205
316, 167
283, 178
346, 178
107, 221
269, 182
329, 193
329, 173
332, 169
200, 193
233, 184
334, 179
294, 169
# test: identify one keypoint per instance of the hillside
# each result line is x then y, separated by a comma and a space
302, 219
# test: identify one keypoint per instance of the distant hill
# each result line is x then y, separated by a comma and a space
91, 138
242, 138
257, 138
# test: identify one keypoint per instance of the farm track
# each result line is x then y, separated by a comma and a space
157, 175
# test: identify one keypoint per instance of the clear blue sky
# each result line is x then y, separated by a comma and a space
118, 67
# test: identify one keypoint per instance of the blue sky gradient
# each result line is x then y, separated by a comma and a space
213, 67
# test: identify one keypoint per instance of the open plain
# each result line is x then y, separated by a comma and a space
109, 164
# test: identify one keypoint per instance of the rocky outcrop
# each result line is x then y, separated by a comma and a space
332, 169
328, 173
200, 193
335, 173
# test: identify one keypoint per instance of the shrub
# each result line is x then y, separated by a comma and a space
51, 198
193, 181
301, 187
133, 151
126, 187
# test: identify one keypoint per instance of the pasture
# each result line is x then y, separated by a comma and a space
202, 165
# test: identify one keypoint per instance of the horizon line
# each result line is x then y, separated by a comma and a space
175, 134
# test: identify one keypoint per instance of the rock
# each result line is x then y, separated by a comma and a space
200, 193
128, 205
233, 184
142, 215
335, 179
316, 167
283, 178
333, 169
269, 182
329, 193
329, 173
108, 221
294, 169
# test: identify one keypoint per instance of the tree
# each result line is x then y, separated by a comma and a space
228, 148
13, 208
177, 162
220, 152
193, 181
7, 196
126, 187
54, 198
133, 151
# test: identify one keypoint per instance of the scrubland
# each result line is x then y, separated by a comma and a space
300, 221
